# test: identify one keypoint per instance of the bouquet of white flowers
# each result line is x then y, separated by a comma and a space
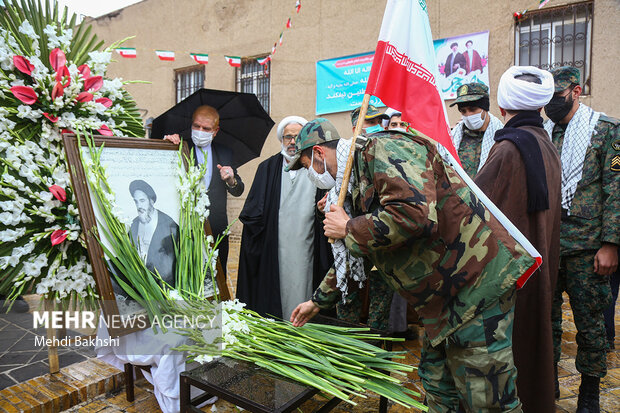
51, 81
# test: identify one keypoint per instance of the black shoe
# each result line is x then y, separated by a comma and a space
557, 382
588, 400
16, 306
408, 334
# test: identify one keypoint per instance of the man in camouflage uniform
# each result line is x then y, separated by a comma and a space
589, 147
473, 136
435, 243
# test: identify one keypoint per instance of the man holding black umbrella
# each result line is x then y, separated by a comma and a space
220, 177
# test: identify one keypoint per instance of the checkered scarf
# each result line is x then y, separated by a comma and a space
487, 139
576, 142
347, 266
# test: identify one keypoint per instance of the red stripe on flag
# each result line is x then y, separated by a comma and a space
526, 276
408, 87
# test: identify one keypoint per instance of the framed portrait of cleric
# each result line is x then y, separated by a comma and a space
143, 176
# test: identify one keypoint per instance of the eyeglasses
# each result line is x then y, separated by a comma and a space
289, 138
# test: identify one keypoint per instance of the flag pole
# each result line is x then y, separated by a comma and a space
347, 170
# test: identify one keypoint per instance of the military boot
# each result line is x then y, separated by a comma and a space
588, 395
557, 382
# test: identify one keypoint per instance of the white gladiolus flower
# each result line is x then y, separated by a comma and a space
10, 235
27, 29
204, 358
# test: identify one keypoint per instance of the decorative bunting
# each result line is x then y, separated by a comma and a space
542, 3
234, 61
128, 52
200, 58
262, 61
166, 55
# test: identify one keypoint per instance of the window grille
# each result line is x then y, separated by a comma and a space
253, 77
188, 80
560, 36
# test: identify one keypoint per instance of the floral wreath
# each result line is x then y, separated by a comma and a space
52, 81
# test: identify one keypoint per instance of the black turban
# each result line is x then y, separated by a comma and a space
140, 185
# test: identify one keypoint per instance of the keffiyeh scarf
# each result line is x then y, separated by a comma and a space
574, 147
347, 266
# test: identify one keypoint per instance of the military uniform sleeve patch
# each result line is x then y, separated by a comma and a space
615, 164
616, 145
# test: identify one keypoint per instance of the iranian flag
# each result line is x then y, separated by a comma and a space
542, 3
166, 55
280, 41
200, 58
273, 49
289, 24
128, 52
297, 6
403, 76
234, 61
262, 61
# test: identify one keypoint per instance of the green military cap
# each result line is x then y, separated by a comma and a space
471, 92
371, 113
315, 132
565, 76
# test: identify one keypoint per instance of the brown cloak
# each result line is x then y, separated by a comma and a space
503, 180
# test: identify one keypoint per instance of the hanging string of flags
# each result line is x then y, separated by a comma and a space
518, 15
203, 58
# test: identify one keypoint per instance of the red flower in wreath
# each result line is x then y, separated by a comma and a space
25, 93
23, 65
58, 192
58, 236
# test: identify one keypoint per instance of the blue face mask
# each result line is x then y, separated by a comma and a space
373, 129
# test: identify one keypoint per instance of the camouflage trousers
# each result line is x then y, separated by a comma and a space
590, 295
380, 296
474, 367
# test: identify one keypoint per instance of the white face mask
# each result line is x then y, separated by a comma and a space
285, 153
201, 138
321, 181
475, 121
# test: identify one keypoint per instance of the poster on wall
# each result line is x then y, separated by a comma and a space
462, 59
341, 83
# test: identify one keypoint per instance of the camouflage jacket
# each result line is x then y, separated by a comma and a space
595, 210
470, 149
427, 234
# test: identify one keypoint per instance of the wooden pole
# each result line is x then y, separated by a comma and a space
52, 349
347, 170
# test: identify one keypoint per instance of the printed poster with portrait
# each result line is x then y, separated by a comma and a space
461, 60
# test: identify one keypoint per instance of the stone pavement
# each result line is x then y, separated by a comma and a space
569, 383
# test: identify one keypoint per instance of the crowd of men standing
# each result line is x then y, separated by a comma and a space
411, 224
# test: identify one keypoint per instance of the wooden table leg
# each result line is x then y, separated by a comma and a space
129, 382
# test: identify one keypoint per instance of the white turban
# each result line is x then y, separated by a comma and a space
518, 94
287, 121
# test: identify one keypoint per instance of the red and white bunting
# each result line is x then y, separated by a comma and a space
297, 6
201, 58
264, 60
166, 55
128, 52
234, 61
289, 24
281, 37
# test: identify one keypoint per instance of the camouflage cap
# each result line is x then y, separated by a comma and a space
471, 92
315, 132
565, 76
371, 113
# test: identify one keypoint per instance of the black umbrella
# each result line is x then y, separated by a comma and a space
244, 124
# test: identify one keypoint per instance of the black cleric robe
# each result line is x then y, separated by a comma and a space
258, 281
